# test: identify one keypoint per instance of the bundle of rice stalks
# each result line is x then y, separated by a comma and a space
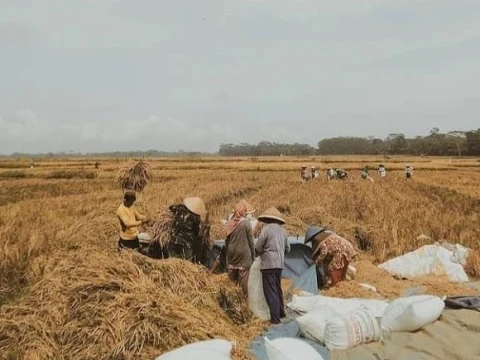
135, 177
159, 229
92, 305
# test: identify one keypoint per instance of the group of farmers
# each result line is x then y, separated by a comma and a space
341, 174
331, 252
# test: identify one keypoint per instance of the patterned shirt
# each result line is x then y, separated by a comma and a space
335, 251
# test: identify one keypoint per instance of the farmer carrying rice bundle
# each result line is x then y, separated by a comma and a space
271, 246
331, 251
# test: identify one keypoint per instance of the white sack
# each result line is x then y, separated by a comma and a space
344, 332
203, 350
412, 313
256, 298
312, 325
429, 259
342, 306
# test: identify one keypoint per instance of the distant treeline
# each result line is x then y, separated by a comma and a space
461, 143
116, 154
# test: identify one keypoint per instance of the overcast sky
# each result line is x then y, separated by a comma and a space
105, 75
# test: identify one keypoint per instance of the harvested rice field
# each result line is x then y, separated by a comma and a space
67, 293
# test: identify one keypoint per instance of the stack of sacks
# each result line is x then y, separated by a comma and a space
346, 323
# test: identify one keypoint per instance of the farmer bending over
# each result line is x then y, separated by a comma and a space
331, 251
186, 235
130, 220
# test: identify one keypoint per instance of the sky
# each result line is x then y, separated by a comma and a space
113, 75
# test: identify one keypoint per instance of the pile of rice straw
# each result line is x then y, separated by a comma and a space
92, 305
159, 229
135, 176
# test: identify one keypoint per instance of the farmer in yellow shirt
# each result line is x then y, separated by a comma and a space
130, 220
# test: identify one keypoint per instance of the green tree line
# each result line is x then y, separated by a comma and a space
453, 143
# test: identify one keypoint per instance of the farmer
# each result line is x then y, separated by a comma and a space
314, 172
382, 172
271, 246
365, 175
331, 174
239, 247
130, 220
408, 171
341, 174
303, 173
221, 259
330, 251
186, 240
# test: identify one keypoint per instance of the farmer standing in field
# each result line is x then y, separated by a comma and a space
221, 259
303, 173
382, 172
271, 247
130, 220
331, 174
331, 252
186, 238
408, 171
239, 247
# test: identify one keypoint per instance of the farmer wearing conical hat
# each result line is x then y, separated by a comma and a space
239, 247
331, 252
271, 246
130, 220
186, 238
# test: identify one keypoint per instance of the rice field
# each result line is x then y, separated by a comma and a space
59, 266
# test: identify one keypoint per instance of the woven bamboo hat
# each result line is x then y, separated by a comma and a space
250, 208
195, 205
272, 213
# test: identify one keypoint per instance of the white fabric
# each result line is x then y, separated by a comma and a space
203, 350
412, 313
429, 259
290, 349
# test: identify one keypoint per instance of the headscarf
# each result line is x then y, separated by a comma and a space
238, 215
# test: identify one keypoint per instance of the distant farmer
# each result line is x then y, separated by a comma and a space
187, 241
341, 174
409, 172
331, 174
303, 173
365, 175
97, 164
271, 247
332, 252
130, 220
382, 172
239, 247
314, 172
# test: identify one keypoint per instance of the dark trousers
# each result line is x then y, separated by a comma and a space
272, 288
128, 244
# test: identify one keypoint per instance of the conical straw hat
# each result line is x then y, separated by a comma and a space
250, 208
272, 213
195, 205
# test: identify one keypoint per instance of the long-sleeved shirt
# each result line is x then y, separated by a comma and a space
239, 245
130, 220
272, 244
